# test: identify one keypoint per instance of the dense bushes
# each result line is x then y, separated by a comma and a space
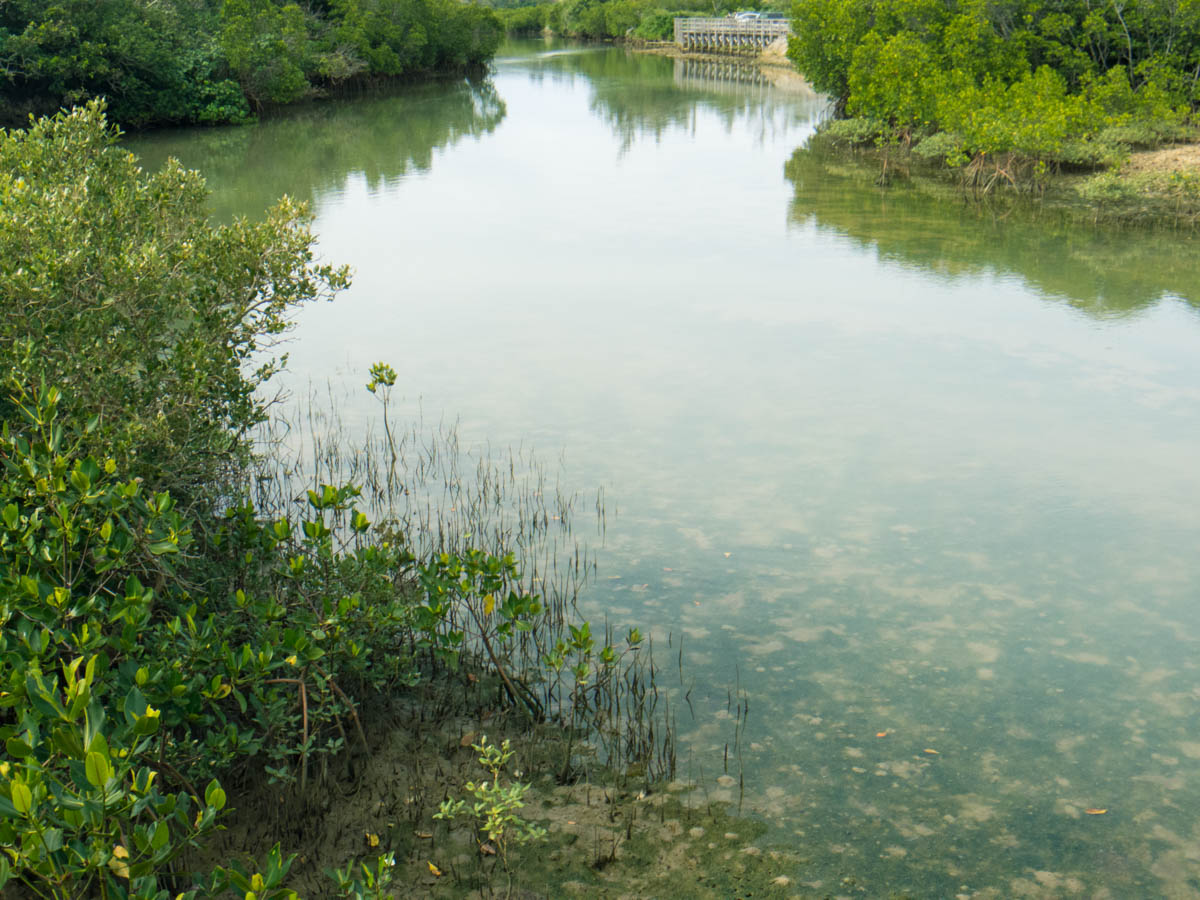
140, 648
218, 60
127, 683
116, 286
604, 19
1061, 83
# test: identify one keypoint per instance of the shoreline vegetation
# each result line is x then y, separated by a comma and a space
212, 62
1020, 98
1157, 187
230, 664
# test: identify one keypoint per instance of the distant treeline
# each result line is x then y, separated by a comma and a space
210, 61
1047, 81
645, 20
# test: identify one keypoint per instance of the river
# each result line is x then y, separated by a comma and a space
922, 482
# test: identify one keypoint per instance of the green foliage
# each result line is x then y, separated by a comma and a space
123, 686
282, 52
656, 25
118, 288
1060, 83
494, 813
605, 19
82, 810
854, 132
531, 19
178, 61
367, 882
825, 36
267, 48
155, 681
1149, 197
940, 147
896, 80
156, 63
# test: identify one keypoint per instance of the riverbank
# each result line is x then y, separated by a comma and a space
1155, 187
605, 832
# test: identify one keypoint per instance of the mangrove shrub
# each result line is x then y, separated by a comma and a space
119, 290
206, 61
1060, 82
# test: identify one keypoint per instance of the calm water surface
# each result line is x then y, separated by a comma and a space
919, 480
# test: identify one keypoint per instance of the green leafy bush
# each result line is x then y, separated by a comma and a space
656, 25
858, 131
178, 61
82, 809
494, 813
119, 290
124, 690
1025, 83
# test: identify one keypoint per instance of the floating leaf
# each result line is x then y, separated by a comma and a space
372, 840
467, 739
1093, 811
881, 734
424, 835
434, 869
487, 849
931, 750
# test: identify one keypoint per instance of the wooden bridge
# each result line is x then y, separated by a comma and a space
729, 35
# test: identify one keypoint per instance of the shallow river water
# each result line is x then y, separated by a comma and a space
922, 482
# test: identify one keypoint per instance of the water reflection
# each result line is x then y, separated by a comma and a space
640, 95
1104, 272
380, 138
726, 77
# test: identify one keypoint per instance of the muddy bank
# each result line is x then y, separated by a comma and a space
607, 833
1157, 188
1170, 160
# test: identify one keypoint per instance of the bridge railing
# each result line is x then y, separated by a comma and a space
728, 33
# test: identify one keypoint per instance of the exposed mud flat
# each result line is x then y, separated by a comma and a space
607, 833
1170, 160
